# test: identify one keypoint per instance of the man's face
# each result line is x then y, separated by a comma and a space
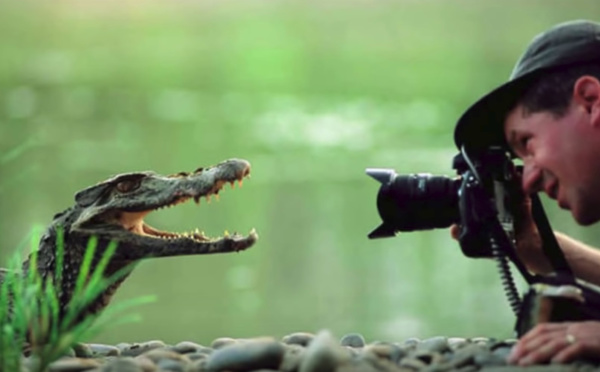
560, 157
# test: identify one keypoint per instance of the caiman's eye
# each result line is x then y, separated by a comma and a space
128, 185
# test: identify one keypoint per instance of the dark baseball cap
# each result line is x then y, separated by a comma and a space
569, 43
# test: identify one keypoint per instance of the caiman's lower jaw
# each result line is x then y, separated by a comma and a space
196, 236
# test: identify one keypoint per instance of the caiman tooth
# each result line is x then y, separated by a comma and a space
232, 184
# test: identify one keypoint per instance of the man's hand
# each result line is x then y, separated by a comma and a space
528, 240
557, 343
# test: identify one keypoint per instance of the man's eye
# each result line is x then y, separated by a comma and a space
128, 185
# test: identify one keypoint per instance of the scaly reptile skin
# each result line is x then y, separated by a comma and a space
113, 210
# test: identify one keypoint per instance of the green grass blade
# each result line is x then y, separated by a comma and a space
98, 273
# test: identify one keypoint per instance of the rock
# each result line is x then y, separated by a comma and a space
247, 356
455, 343
435, 345
122, 364
502, 352
487, 358
82, 350
146, 364
412, 363
388, 351
138, 349
292, 357
197, 366
222, 342
353, 340
323, 354
171, 365
156, 355
123, 345
73, 365
104, 350
411, 343
483, 341
427, 357
205, 350
298, 338
463, 357
185, 347
197, 356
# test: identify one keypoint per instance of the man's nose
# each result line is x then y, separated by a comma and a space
532, 178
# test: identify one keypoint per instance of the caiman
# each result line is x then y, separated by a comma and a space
114, 210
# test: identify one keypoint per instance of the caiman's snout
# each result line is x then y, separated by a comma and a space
206, 182
148, 191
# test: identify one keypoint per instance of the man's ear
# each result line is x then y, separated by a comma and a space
586, 92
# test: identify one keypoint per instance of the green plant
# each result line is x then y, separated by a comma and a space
29, 307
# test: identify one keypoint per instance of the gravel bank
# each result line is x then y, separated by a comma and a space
303, 352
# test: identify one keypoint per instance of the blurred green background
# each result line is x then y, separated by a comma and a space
311, 93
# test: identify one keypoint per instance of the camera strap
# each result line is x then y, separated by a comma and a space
549, 244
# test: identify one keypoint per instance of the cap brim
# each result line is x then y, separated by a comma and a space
482, 125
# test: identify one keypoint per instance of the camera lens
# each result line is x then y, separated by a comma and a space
414, 202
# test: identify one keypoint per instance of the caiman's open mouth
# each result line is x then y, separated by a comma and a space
134, 221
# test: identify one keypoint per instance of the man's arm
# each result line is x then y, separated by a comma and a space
583, 259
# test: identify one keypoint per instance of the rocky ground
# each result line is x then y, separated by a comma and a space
303, 352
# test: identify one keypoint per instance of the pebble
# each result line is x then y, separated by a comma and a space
302, 352
435, 345
387, 351
292, 357
455, 343
171, 365
185, 347
298, 338
197, 366
122, 364
353, 340
411, 343
104, 350
73, 365
157, 355
138, 349
323, 354
82, 350
222, 341
248, 355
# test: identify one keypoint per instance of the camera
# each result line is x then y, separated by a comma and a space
482, 199
482, 194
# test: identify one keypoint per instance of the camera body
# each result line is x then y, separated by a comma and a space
484, 192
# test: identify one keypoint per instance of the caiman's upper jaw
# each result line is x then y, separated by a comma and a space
132, 221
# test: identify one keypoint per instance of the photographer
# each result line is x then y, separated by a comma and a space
548, 115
